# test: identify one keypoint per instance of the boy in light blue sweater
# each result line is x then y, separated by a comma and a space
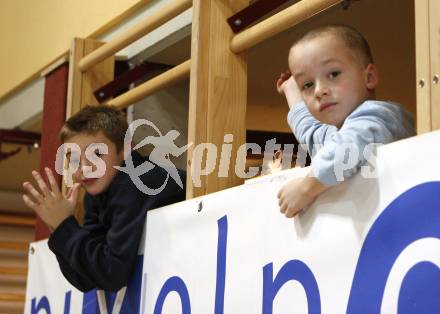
330, 93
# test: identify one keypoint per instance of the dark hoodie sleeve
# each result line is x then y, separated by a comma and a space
97, 259
91, 222
77, 280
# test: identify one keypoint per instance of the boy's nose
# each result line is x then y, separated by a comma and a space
321, 90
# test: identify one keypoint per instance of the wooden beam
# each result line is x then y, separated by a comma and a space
130, 76
421, 8
176, 74
218, 89
19, 137
149, 24
81, 85
434, 21
252, 13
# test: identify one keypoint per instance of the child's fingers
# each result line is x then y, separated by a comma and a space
41, 183
290, 214
283, 207
69, 192
280, 193
74, 192
30, 203
280, 82
30, 188
52, 182
285, 75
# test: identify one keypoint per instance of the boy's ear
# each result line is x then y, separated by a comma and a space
371, 76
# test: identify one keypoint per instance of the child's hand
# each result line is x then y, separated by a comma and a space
298, 194
286, 85
282, 82
50, 204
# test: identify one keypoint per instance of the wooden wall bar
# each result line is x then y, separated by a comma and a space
423, 66
218, 87
266, 29
82, 85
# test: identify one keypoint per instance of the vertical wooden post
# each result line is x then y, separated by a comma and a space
81, 85
218, 90
421, 8
434, 21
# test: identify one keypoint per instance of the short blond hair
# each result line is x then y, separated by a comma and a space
352, 38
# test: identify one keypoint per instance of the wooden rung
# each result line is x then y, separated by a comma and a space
10, 297
14, 246
166, 79
149, 24
16, 271
291, 16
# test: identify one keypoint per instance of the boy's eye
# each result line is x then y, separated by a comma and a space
307, 85
334, 74
97, 153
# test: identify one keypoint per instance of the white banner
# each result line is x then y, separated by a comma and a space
369, 245
366, 246
47, 291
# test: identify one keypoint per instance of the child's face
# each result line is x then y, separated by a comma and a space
98, 184
331, 79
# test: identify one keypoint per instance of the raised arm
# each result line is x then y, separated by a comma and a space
287, 86
304, 126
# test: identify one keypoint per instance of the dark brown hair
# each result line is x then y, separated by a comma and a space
93, 119
354, 40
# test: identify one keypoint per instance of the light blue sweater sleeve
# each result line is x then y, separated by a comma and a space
338, 154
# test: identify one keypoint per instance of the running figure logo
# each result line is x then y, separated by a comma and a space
164, 146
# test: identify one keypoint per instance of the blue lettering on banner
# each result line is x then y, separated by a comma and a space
292, 270
67, 302
412, 216
178, 285
173, 284
43, 304
420, 289
222, 224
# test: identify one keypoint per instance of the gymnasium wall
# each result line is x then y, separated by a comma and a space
35, 33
